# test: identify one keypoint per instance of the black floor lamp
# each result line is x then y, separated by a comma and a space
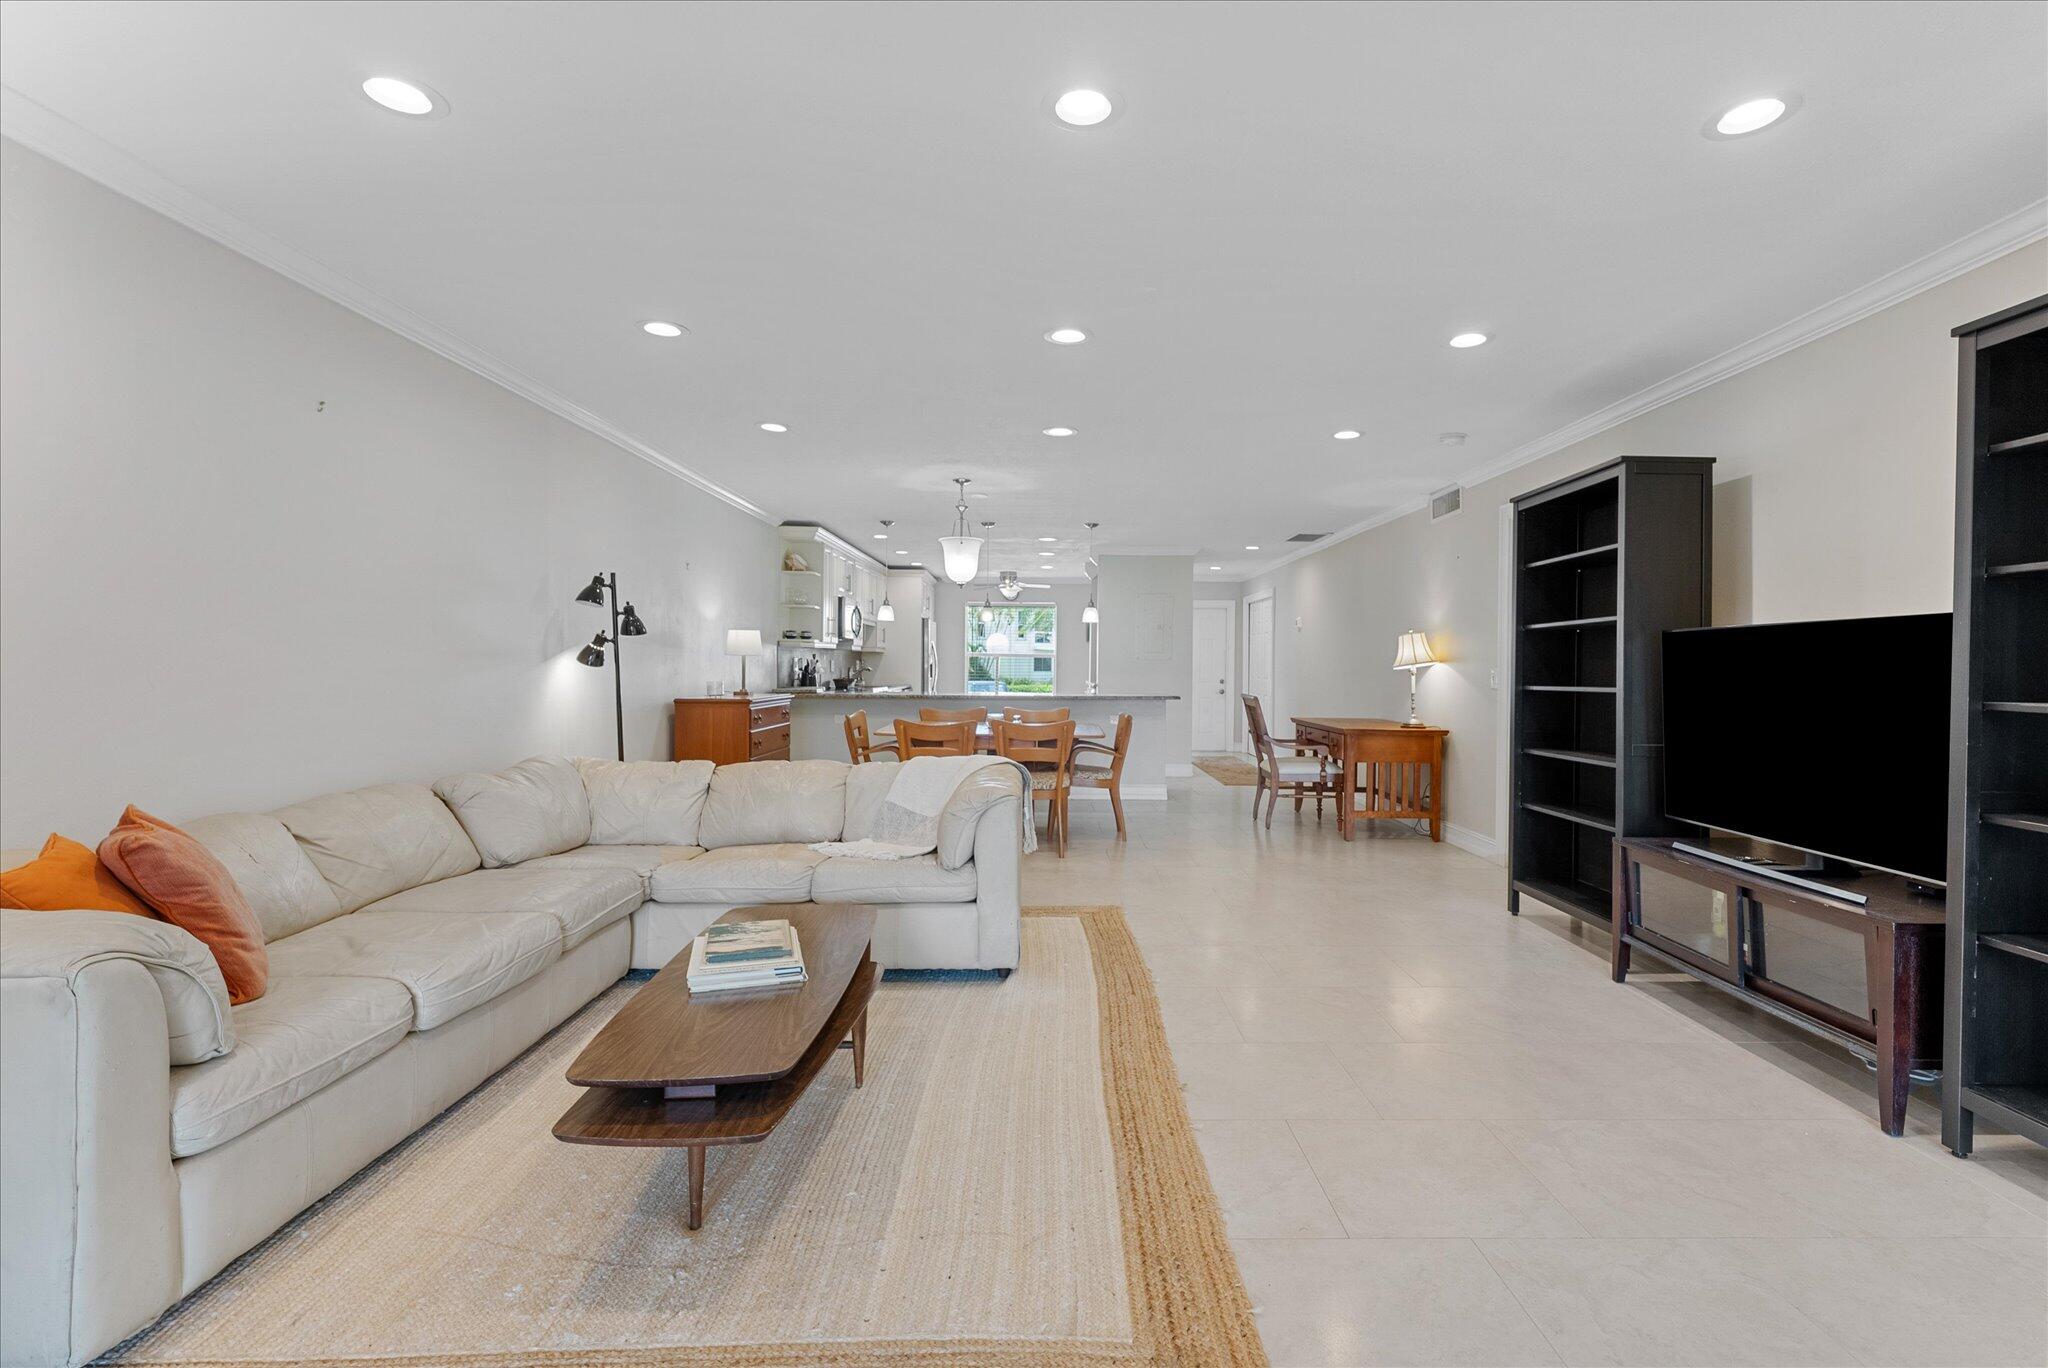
625, 623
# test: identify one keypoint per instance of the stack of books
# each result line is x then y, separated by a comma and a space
750, 954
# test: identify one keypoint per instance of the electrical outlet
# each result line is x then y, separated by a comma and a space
1493, 679
1297, 624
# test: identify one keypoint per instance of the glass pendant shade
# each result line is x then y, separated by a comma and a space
885, 613
997, 642
1090, 616
963, 558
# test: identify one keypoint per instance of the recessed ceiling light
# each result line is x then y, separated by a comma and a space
1451, 438
1066, 337
660, 329
1059, 432
881, 536
1251, 548
401, 97
1048, 538
773, 427
1045, 553
1468, 339
1215, 567
1749, 116
918, 564
1345, 436
1083, 108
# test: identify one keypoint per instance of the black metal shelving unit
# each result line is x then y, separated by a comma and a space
1995, 1041
1606, 562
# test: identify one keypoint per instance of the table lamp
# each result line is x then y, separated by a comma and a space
743, 642
1412, 654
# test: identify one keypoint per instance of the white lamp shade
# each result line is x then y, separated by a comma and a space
963, 558
1089, 615
996, 642
743, 641
1413, 652
885, 613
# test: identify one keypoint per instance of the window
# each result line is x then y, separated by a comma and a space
1013, 651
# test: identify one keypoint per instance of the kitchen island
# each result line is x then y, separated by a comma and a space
817, 729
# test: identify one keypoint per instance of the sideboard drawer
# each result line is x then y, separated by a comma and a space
770, 715
769, 743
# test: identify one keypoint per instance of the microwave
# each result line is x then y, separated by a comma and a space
849, 619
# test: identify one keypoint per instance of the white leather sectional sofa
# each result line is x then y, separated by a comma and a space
419, 939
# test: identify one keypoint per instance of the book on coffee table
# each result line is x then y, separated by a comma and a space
753, 954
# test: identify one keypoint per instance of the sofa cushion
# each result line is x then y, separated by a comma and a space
961, 816
921, 879
271, 869
582, 901
769, 801
290, 1043
449, 961
866, 788
645, 802
537, 807
739, 874
641, 859
369, 843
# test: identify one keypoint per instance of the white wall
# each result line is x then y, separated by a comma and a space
1834, 497
1136, 661
254, 547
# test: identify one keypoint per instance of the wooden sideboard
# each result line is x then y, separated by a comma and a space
728, 731
1867, 977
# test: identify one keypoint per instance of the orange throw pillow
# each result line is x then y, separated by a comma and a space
65, 876
188, 887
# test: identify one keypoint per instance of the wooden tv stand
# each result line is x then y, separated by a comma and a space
1867, 977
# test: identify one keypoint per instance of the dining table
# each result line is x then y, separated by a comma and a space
1398, 769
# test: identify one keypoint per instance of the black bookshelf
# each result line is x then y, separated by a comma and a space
1995, 1041
1606, 562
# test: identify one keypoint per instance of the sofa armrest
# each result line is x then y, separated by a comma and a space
90, 1247
961, 819
998, 875
61, 945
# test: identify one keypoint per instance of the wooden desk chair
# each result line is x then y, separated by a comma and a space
1298, 774
1100, 766
933, 738
974, 715
1046, 749
1040, 715
860, 744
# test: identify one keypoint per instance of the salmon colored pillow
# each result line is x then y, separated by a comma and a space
188, 887
65, 876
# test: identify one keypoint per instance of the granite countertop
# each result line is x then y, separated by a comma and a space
1013, 698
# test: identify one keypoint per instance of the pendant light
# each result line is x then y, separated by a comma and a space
1091, 615
962, 552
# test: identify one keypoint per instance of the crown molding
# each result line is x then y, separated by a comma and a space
48, 133
2009, 234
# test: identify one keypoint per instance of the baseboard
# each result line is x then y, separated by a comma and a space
1180, 771
1465, 838
1133, 793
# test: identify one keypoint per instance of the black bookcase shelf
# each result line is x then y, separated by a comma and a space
1609, 560
1995, 1045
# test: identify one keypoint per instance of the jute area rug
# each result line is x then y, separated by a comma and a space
1228, 769
1016, 1184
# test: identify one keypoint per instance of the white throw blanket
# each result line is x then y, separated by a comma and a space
907, 825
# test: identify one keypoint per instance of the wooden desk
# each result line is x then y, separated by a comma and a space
1404, 769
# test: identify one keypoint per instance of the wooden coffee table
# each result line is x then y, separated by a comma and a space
725, 1068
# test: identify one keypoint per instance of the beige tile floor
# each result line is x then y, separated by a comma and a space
1440, 1134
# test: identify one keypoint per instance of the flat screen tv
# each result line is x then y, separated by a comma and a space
1831, 737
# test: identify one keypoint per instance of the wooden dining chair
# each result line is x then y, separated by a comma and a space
974, 715
1100, 766
933, 738
860, 743
1038, 715
1298, 774
1046, 749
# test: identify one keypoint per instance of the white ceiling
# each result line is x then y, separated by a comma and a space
866, 217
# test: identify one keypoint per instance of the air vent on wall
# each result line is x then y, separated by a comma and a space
1308, 536
1445, 502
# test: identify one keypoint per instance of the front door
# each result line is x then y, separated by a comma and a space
1213, 706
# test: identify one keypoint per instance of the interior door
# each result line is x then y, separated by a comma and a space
1258, 654
1213, 705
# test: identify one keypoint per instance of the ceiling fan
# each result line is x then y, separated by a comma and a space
1009, 586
